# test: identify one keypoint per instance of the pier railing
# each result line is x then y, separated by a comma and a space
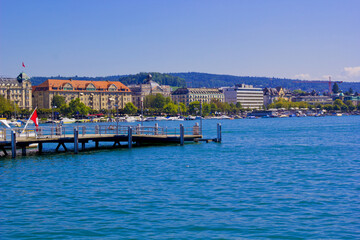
114, 129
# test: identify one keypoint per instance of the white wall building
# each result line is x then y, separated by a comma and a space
247, 95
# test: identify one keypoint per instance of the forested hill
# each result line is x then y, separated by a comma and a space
160, 78
194, 79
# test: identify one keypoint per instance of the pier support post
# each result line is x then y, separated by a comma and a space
40, 147
129, 137
82, 146
156, 128
218, 139
23, 150
13, 144
182, 134
76, 141
96, 144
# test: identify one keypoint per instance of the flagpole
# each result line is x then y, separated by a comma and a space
28, 120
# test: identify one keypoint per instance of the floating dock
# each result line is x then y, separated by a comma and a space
14, 138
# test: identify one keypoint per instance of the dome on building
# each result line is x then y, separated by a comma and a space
22, 77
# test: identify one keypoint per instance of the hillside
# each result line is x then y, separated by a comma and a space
194, 79
160, 78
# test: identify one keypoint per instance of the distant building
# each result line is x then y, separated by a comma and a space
273, 94
247, 95
148, 87
17, 90
95, 94
203, 95
312, 100
354, 99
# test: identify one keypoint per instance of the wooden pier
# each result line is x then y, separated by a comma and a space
139, 135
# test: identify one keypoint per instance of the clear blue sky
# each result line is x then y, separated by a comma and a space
281, 38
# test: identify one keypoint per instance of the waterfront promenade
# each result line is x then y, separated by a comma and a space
83, 134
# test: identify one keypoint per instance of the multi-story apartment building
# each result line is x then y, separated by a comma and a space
247, 95
148, 87
17, 90
203, 95
94, 94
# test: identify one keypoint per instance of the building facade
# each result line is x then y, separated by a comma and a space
148, 87
312, 100
246, 95
95, 94
273, 94
203, 95
17, 90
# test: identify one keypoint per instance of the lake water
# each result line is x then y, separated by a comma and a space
290, 178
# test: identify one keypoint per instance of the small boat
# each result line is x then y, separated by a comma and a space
150, 119
161, 119
175, 119
190, 118
130, 119
67, 121
15, 124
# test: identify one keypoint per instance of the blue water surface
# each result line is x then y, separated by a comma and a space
294, 178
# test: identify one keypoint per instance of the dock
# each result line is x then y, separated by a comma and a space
119, 135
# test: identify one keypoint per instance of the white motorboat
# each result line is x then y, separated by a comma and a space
67, 120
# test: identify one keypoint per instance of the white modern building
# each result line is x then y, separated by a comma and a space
246, 95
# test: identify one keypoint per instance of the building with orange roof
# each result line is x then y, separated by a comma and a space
95, 94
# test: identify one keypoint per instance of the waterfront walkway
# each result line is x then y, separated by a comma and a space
131, 135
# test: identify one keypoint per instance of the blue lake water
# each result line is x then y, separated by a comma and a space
290, 178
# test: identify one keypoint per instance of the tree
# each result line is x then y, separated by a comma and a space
194, 107
350, 105
206, 109
238, 105
75, 107
351, 91
130, 108
7, 107
159, 101
328, 107
58, 101
182, 108
213, 108
335, 88
170, 108
338, 102
299, 92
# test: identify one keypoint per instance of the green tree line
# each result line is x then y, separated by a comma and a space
338, 105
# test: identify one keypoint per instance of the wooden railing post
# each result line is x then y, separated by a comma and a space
76, 141
181, 134
218, 133
13, 144
129, 137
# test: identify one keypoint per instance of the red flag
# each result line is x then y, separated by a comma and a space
34, 118
23, 64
